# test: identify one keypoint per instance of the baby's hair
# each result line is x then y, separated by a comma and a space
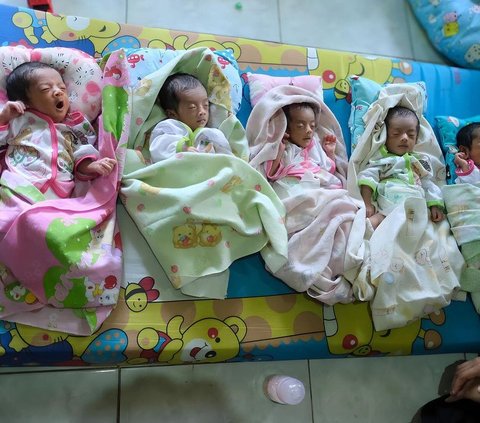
402, 112
305, 105
19, 80
466, 134
173, 85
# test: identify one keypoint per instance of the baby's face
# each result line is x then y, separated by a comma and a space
301, 126
401, 134
47, 93
193, 107
473, 152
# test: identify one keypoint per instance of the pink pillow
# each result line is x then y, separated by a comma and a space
259, 84
80, 71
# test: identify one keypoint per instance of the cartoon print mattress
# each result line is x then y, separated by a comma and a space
260, 318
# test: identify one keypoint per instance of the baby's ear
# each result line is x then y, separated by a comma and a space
465, 150
171, 114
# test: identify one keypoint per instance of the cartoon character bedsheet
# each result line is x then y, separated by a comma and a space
261, 318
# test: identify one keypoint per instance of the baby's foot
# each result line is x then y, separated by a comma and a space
329, 143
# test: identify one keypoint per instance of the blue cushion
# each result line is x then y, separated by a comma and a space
448, 126
144, 61
453, 27
365, 92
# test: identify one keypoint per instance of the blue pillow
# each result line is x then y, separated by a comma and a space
453, 27
447, 127
364, 93
144, 61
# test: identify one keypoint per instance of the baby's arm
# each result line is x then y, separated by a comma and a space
11, 110
276, 163
329, 143
436, 214
367, 193
103, 166
461, 161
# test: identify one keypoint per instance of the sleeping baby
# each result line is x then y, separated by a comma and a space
185, 102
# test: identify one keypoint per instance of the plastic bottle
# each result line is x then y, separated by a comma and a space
284, 389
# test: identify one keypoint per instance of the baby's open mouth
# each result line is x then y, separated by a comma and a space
59, 105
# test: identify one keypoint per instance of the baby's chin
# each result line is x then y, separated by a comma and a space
58, 116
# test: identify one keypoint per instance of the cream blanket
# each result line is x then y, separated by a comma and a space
411, 265
319, 220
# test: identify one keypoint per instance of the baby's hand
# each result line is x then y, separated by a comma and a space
370, 209
436, 214
102, 166
329, 143
11, 110
285, 138
460, 161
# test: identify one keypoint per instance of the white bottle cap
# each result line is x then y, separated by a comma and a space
285, 389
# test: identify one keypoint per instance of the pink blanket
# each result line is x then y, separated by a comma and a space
61, 260
319, 219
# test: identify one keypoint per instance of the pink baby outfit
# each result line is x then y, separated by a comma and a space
46, 153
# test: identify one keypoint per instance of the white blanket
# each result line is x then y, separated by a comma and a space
319, 220
411, 265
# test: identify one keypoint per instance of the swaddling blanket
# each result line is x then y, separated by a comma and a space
411, 265
61, 259
463, 211
199, 212
319, 215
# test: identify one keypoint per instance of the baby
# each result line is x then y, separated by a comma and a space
397, 172
467, 159
300, 151
45, 143
185, 102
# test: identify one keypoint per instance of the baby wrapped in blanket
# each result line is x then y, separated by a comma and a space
197, 211
286, 131
185, 101
411, 262
461, 201
60, 261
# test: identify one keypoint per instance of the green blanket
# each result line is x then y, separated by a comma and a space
199, 212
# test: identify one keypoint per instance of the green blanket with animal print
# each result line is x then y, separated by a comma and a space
200, 212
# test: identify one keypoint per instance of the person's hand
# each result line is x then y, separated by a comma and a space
466, 382
285, 138
437, 214
460, 161
370, 210
329, 143
11, 110
101, 167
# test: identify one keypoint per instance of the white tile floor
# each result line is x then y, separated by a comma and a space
370, 390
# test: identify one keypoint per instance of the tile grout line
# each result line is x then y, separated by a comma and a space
406, 10
279, 22
310, 391
119, 392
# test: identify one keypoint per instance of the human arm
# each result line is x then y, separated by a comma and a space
273, 166
436, 214
462, 162
329, 144
211, 140
466, 381
466, 171
169, 137
367, 193
100, 167
11, 110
